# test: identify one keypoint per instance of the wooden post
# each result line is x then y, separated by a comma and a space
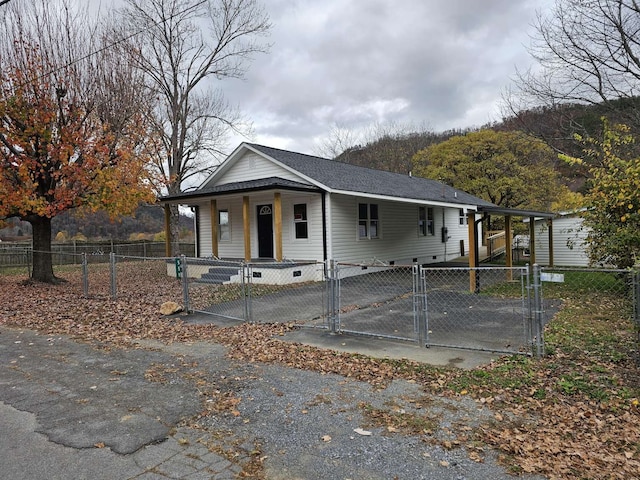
532, 240
167, 230
508, 240
277, 211
246, 216
550, 225
213, 212
473, 261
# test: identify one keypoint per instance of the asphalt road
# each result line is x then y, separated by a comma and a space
69, 410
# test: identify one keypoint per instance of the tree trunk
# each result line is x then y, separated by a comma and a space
42, 257
174, 227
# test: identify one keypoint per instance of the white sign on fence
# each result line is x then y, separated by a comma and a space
552, 277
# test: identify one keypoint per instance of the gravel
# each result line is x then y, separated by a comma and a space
304, 426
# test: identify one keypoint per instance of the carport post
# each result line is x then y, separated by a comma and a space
473, 250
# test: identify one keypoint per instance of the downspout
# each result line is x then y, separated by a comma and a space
324, 226
196, 227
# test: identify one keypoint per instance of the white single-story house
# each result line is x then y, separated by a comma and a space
568, 239
264, 203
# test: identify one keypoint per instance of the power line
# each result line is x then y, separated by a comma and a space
110, 45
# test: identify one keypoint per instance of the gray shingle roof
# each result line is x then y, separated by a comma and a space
343, 176
244, 186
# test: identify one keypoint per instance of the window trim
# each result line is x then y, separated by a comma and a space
369, 222
426, 223
304, 220
463, 219
228, 226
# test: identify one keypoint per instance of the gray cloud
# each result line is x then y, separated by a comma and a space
356, 62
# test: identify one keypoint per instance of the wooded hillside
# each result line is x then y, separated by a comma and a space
555, 126
147, 222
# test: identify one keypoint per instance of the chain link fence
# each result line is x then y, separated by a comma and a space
262, 292
18, 257
488, 308
619, 288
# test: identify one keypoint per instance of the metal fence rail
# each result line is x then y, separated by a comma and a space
495, 315
261, 292
437, 307
20, 255
488, 308
377, 300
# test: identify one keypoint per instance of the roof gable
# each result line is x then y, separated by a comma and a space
334, 175
308, 171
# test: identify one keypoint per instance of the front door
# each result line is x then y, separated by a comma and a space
265, 231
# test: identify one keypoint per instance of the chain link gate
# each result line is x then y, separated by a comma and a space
488, 308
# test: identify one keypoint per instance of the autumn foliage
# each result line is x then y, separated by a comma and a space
613, 200
56, 153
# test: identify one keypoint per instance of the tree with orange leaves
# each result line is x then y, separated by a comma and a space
64, 142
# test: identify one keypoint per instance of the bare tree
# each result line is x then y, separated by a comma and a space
181, 46
587, 52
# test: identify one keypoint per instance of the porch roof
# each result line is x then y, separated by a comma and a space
513, 212
241, 187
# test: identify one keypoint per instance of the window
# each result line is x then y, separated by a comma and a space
462, 217
425, 221
300, 220
368, 221
224, 233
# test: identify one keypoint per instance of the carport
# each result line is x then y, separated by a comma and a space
508, 213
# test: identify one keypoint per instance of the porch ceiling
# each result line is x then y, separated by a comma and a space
513, 212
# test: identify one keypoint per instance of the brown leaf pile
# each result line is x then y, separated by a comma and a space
574, 414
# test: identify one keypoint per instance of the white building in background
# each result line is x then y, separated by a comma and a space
569, 240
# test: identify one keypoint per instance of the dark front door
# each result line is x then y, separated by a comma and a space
265, 231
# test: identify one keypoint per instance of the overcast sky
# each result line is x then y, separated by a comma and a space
439, 64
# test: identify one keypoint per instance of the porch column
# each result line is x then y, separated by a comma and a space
246, 215
532, 240
167, 230
473, 246
507, 246
550, 226
277, 213
213, 212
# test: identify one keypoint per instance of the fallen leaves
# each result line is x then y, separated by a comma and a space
575, 413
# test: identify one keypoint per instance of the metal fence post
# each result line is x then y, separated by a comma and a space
246, 291
537, 308
636, 301
185, 282
112, 269
332, 297
85, 276
420, 305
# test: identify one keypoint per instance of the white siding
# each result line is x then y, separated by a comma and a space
569, 249
292, 248
254, 167
234, 248
302, 249
399, 240
204, 229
